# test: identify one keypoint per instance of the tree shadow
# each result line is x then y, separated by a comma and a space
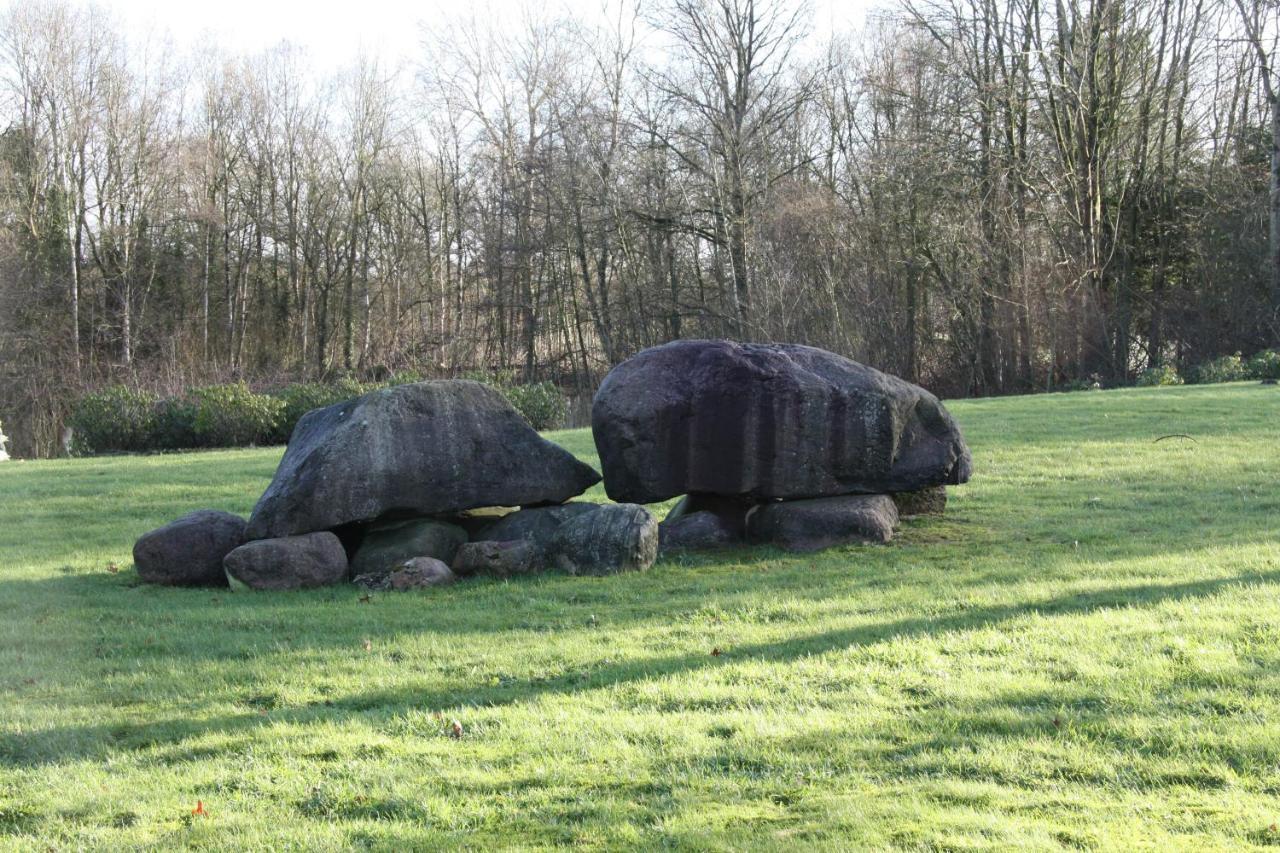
68, 743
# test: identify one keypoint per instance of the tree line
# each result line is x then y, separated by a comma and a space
985, 196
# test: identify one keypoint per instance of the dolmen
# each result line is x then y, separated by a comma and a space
772, 443
420, 484
407, 487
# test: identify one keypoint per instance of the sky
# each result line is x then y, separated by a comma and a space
334, 32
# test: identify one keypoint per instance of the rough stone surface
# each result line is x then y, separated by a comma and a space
614, 538
695, 531
420, 572
290, 562
428, 448
501, 559
931, 501
189, 551
537, 525
386, 546
373, 581
766, 421
816, 523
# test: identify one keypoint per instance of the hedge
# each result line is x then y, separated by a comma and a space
118, 419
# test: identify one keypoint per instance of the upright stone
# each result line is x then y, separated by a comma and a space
696, 531
428, 448
289, 562
816, 523
766, 421
614, 538
537, 525
498, 558
189, 551
387, 545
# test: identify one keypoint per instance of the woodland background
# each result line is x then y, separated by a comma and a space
984, 196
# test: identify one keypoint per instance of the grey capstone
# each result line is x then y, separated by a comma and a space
428, 448
767, 421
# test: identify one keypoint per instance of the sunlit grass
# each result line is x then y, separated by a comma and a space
1085, 652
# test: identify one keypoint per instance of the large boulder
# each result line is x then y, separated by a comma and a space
189, 551
614, 538
767, 421
385, 546
428, 448
290, 562
816, 523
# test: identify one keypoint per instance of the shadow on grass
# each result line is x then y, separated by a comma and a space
69, 743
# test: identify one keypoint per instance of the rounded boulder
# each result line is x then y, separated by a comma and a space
190, 550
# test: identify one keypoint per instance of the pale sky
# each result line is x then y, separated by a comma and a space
334, 32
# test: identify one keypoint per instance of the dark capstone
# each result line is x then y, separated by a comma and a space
809, 525
189, 551
696, 531
614, 538
537, 525
931, 501
429, 448
767, 421
290, 562
387, 545
420, 572
501, 559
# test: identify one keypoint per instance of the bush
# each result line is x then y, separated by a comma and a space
1264, 365
1228, 368
541, 403
1092, 383
115, 419
234, 416
301, 398
402, 377
173, 425
1165, 374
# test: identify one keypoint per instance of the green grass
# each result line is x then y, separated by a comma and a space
1084, 653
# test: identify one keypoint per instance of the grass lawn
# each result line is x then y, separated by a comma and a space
1084, 653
